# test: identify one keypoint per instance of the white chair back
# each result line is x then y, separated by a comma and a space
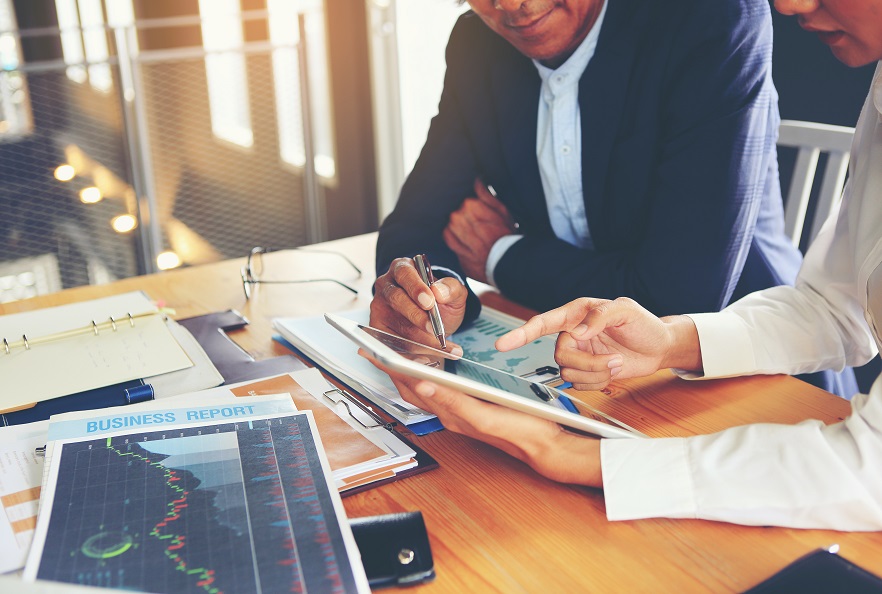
811, 139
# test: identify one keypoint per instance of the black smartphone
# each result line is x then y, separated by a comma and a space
820, 572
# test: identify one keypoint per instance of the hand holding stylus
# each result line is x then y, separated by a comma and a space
402, 300
425, 271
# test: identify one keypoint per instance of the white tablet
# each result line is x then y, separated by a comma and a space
420, 361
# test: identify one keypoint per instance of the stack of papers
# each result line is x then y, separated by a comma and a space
21, 471
360, 451
227, 494
112, 471
319, 341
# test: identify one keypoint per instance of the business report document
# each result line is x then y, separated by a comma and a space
232, 502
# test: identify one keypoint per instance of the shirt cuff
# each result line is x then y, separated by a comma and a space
496, 252
647, 478
447, 272
726, 348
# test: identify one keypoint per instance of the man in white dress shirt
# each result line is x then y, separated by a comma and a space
805, 476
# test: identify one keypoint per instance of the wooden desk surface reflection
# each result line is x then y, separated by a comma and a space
494, 524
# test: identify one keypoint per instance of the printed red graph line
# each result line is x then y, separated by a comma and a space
174, 543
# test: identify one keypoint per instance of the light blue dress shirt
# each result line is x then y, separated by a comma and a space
559, 150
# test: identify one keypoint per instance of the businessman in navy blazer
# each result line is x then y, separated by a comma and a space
677, 203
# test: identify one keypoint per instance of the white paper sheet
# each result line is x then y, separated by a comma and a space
339, 355
20, 478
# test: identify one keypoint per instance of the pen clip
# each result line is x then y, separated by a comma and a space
424, 269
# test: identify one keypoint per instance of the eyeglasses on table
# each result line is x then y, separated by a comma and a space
253, 270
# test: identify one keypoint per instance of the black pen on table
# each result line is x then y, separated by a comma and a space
425, 271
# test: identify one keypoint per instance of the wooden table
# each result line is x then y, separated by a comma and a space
496, 525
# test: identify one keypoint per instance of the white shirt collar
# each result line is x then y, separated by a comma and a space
576, 64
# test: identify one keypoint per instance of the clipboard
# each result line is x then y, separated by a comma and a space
238, 366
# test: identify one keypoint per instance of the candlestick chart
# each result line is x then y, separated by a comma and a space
231, 507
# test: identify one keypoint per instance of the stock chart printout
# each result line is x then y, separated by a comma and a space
233, 507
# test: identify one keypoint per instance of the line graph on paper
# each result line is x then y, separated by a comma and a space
232, 507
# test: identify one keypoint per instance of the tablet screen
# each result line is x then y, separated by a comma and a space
512, 384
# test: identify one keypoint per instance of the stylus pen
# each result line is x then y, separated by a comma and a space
425, 270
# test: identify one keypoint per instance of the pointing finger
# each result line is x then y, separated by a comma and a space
563, 318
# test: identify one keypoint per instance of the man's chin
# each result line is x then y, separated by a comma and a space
541, 48
852, 57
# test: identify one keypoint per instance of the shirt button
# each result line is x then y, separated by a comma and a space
565, 149
559, 78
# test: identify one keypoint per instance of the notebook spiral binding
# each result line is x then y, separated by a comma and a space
93, 327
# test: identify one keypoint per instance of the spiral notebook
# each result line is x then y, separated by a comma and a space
68, 349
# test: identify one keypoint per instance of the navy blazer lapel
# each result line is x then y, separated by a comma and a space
602, 93
515, 88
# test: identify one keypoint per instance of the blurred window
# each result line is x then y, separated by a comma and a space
71, 39
225, 71
95, 43
285, 35
15, 107
423, 30
84, 40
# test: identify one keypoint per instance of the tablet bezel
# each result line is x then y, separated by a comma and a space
399, 363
